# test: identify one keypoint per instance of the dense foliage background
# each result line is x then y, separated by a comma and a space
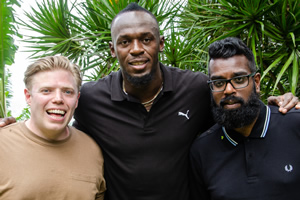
81, 31
7, 49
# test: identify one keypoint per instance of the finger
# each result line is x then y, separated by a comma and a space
294, 102
288, 99
298, 105
272, 100
6, 121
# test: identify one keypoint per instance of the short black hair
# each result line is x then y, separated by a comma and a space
133, 7
229, 47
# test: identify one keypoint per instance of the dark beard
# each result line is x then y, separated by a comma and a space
140, 81
237, 118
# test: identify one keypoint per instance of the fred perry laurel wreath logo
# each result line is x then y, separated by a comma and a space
288, 168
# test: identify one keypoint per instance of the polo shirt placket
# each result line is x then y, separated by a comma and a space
253, 155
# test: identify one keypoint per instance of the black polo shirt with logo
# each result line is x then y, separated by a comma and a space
146, 153
263, 166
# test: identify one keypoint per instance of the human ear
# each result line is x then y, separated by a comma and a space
112, 49
257, 78
161, 43
27, 96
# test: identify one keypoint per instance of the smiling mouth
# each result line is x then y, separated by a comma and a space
56, 112
138, 63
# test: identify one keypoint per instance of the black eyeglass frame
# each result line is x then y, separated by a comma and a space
210, 82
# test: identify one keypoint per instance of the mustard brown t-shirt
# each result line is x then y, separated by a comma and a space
34, 168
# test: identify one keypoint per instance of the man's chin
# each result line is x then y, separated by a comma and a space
238, 114
139, 81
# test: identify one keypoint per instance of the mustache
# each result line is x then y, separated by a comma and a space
231, 98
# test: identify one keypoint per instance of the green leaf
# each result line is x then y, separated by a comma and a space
272, 65
295, 74
283, 69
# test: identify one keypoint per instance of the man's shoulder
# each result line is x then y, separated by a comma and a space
275, 110
209, 134
184, 78
84, 139
289, 119
80, 134
100, 83
11, 135
9, 129
204, 142
187, 72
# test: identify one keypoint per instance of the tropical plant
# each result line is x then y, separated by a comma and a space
270, 28
81, 31
7, 48
24, 115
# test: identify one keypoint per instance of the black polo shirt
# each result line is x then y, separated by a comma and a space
146, 153
265, 165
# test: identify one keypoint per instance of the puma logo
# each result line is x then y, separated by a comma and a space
184, 114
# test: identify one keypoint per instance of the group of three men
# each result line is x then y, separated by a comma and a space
145, 118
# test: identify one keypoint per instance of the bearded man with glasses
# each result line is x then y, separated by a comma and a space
253, 150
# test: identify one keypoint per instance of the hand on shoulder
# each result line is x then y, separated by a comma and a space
6, 121
285, 102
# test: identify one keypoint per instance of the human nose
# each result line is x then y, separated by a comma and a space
58, 97
229, 89
137, 48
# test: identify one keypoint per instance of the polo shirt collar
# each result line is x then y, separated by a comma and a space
168, 78
259, 130
117, 93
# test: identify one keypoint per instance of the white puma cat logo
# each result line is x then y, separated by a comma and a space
184, 114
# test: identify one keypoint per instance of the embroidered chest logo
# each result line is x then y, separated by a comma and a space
184, 114
288, 168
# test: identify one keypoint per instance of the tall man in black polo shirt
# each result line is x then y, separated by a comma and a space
253, 152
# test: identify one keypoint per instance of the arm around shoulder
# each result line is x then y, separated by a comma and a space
6, 121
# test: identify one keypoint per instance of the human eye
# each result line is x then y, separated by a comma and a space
218, 83
124, 42
239, 79
45, 91
69, 92
147, 40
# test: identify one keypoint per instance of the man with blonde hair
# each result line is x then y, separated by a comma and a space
43, 157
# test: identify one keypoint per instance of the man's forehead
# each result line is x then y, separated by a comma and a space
236, 65
133, 17
133, 22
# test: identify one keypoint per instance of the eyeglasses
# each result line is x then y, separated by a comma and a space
219, 85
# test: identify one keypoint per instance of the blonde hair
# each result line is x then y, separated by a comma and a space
51, 63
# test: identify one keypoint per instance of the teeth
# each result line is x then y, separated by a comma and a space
137, 63
231, 102
60, 112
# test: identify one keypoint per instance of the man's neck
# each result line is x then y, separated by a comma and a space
246, 130
146, 92
48, 135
